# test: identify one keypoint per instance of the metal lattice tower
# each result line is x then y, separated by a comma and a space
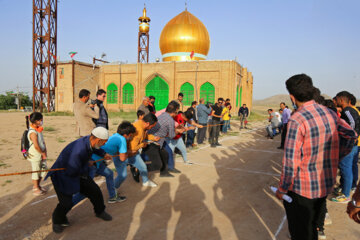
44, 54
143, 40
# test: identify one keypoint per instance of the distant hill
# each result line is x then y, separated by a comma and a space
277, 99
273, 100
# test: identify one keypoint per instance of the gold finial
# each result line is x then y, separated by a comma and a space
144, 11
144, 22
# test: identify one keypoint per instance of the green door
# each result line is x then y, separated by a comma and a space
112, 94
188, 90
128, 94
240, 95
237, 95
158, 88
207, 91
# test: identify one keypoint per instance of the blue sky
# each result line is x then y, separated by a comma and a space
275, 39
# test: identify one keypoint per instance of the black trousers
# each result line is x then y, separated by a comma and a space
158, 157
303, 215
321, 217
283, 134
214, 132
201, 133
89, 189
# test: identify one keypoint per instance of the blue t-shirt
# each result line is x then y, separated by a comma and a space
115, 144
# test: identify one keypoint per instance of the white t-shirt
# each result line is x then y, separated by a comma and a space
278, 116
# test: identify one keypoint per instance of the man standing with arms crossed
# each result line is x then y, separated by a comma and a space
215, 128
285, 118
203, 112
102, 121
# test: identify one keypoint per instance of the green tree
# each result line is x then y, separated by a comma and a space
7, 101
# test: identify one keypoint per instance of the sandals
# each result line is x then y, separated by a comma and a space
38, 192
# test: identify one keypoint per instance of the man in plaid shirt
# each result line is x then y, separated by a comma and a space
312, 147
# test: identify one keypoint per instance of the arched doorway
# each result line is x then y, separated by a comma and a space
128, 94
158, 88
188, 90
207, 91
112, 94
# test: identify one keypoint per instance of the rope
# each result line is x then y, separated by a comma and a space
61, 169
45, 170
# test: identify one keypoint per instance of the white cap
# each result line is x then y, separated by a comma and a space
100, 132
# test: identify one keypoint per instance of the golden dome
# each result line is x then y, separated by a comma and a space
183, 36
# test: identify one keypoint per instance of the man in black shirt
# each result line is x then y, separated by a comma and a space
243, 114
215, 125
152, 104
348, 165
102, 121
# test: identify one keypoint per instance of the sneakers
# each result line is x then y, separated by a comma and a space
57, 228
337, 191
174, 170
213, 145
66, 223
217, 144
321, 235
149, 183
341, 199
167, 174
135, 173
327, 220
188, 163
117, 199
104, 216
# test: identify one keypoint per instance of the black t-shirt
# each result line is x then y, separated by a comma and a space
218, 111
352, 117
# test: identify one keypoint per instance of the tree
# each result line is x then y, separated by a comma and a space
7, 101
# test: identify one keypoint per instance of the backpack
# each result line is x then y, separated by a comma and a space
25, 144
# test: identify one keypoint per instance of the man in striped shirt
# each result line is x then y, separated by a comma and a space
310, 159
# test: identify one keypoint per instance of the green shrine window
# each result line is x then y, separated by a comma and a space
240, 96
237, 95
207, 91
158, 88
128, 94
112, 94
188, 90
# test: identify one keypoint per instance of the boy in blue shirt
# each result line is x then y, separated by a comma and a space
117, 147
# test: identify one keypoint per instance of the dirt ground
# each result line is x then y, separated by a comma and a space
224, 195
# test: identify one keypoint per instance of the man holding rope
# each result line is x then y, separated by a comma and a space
75, 177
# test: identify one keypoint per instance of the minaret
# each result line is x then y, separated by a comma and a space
143, 43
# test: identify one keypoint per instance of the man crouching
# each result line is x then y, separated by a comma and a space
75, 178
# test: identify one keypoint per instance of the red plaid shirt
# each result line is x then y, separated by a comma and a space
314, 137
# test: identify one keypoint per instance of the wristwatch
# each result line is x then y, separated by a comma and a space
354, 204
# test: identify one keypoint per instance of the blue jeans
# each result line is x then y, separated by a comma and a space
121, 169
171, 162
103, 171
347, 171
355, 168
178, 143
190, 138
226, 125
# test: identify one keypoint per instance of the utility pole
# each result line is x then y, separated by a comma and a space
17, 98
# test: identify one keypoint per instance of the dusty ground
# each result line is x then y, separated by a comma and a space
225, 195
